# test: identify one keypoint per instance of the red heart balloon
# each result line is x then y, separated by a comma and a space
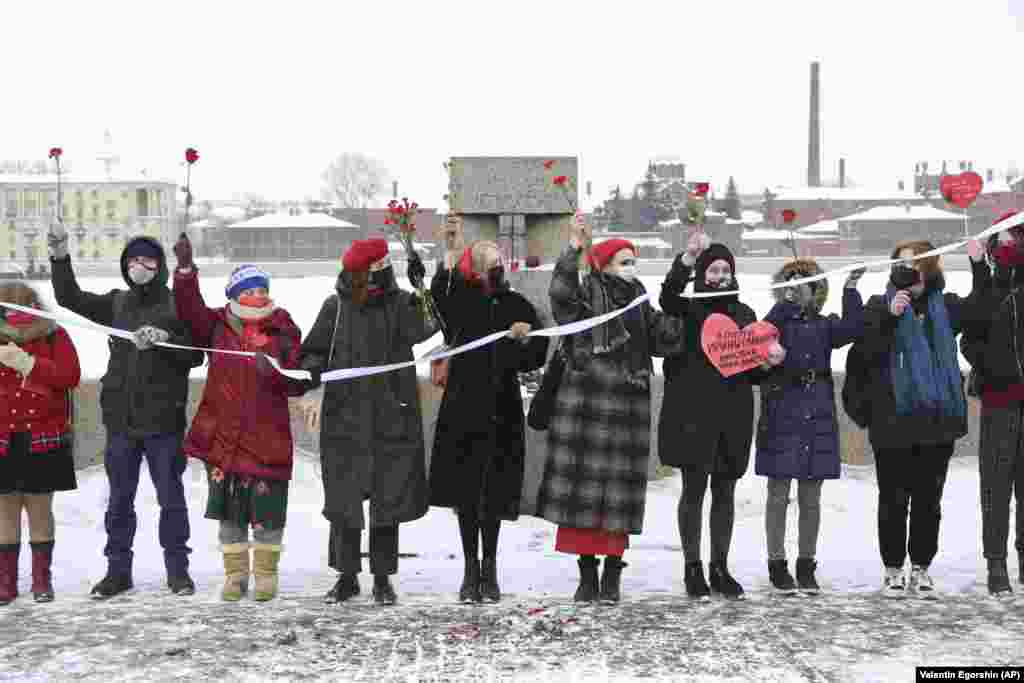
733, 350
961, 189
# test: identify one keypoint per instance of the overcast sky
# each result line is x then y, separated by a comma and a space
269, 96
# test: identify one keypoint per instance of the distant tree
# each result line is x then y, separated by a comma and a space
731, 204
353, 180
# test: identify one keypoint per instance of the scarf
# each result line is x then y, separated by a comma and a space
923, 365
625, 335
22, 335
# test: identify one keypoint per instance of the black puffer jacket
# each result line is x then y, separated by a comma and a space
143, 392
993, 366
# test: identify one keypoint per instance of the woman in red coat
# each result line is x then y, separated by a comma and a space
38, 367
242, 428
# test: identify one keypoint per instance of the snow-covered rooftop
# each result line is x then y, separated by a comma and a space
747, 217
655, 242
903, 213
302, 220
784, 194
768, 234
229, 213
84, 179
821, 227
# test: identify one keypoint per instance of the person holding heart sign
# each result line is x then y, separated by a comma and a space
242, 430
798, 430
706, 423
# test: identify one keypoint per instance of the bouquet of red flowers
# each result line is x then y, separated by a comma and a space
402, 215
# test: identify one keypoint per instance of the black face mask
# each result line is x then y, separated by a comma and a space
383, 279
903, 277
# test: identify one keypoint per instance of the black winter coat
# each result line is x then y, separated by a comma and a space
707, 420
143, 392
885, 428
479, 442
994, 365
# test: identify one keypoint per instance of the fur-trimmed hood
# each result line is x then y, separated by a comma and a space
803, 267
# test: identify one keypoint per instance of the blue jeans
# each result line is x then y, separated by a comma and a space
166, 463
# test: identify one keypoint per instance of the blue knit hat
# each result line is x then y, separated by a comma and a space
246, 277
142, 247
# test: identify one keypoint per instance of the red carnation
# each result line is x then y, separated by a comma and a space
701, 189
560, 180
191, 155
788, 215
548, 164
55, 152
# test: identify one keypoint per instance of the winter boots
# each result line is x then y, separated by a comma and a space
894, 586
9, 572
998, 578
383, 592
611, 578
693, 577
805, 579
236, 571
470, 590
589, 588
42, 559
778, 574
489, 590
346, 588
264, 560
111, 585
181, 584
722, 581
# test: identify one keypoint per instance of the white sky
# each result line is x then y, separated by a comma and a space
268, 96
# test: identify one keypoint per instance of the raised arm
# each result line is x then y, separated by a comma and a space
191, 308
567, 301
99, 308
850, 327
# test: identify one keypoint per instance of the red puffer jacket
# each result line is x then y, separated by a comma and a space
242, 424
39, 403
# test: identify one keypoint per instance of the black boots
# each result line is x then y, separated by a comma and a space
722, 581
346, 588
778, 574
489, 590
693, 577
589, 589
383, 592
111, 585
470, 591
181, 584
805, 567
1020, 566
998, 578
610, 579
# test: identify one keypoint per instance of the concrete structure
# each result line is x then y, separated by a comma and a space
290, 237
814, 132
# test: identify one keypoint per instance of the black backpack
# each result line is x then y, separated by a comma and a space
856, 388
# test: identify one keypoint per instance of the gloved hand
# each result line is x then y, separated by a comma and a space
16, 358
183, 252
57, 241
415, 270
147, 336
854, 277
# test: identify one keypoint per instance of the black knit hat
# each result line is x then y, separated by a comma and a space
142, 248
717, 251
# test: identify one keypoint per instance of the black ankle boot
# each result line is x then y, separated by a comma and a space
589, 588
722, 581
383, 592
489, 590
778, 574
1020, 567
470, 591
611, 578
693, 578
805, 567
345, 588
998, 578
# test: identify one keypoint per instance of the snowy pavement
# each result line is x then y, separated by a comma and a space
536, 632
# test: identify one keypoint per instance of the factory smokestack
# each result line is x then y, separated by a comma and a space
814, 137
842, 173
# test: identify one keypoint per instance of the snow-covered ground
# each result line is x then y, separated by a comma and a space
303, 298
535, 633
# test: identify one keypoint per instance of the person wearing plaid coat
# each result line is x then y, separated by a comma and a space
594, 484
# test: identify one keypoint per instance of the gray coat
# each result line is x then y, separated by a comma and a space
371, 432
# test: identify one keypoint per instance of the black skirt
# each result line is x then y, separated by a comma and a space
22, 471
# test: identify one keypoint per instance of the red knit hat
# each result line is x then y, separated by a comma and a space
363, 253
601, 254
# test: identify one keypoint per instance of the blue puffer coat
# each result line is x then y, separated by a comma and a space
798, 431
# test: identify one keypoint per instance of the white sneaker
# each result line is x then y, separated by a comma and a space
894, 586
921, 584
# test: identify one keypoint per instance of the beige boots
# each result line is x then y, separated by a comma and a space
236, 571
264, 559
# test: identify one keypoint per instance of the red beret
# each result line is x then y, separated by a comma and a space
362, 253
604, 252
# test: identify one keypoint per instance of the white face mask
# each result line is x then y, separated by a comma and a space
627, 272
140, 274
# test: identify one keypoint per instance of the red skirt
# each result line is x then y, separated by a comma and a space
590, 541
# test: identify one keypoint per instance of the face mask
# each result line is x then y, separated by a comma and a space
627, 272
723, 282
903, 277
255, 300
140, 274
381, 280
19, 319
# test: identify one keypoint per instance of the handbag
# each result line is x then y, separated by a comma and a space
543, 404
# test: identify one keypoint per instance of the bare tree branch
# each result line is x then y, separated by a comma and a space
353, 180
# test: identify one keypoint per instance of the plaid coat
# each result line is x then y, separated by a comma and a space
598, 455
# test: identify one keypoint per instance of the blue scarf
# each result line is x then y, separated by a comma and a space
926, 376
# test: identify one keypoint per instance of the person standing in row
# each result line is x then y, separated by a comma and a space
917, 406
143, 399
594, 485
706, 423
371, 428
477, 462
992, 344
38, 369
242, 429
798, 430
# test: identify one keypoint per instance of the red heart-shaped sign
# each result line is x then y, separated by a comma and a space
961, 189
733, 350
